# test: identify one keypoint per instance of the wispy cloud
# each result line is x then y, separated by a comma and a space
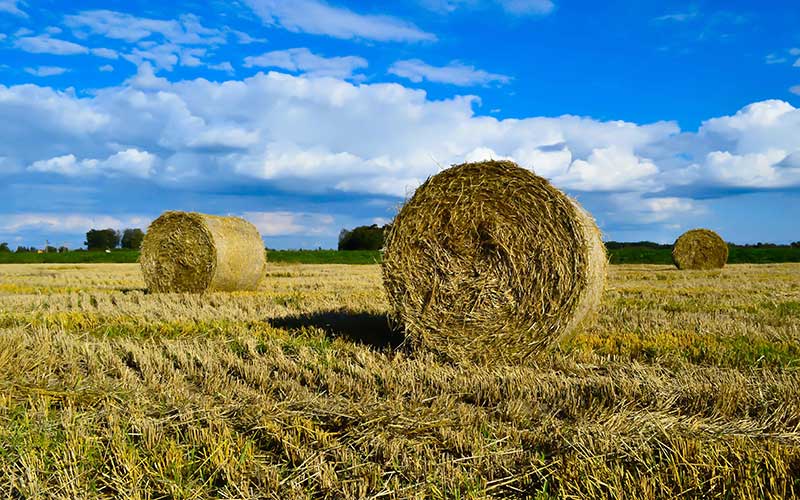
223, 66
122, 26
44, 44
320, 18
514, 7
12, 7
165, 43
46, 71
679, 17
774, 59
105, 53
455, 73
68, 223
304, 61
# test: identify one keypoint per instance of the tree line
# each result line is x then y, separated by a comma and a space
372, 238
358, 238
96, 239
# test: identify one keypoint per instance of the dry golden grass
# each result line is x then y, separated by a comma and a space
687, 386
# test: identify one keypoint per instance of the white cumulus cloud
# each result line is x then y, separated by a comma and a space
130, 162
320, 135
290, 223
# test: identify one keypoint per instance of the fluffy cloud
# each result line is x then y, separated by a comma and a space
67, 223
455, 73
290, 223
379, 139
610, 169
625, 208
304, 61
319, 18
44, 44
130, 162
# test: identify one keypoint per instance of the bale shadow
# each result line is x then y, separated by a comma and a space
359, 327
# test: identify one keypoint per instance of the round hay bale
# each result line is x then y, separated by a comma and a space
192, 252
489, 262
700, 249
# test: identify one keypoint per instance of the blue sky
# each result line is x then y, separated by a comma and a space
310, 116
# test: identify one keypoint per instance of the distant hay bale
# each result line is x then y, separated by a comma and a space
192, 252
489, 262
700, 249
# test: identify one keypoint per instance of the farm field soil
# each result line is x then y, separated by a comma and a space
688, 385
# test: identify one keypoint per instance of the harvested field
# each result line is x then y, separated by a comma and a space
687, 385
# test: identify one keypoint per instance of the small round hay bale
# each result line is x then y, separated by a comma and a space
192, 252
700, 249
489, 262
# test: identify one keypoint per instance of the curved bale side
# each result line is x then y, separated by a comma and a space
700, 249
489, 262
193, 252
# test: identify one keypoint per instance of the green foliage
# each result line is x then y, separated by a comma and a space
102, 239
628, 255
652, 253
70, 257
132, 238
4, 247
362, 238
324, 256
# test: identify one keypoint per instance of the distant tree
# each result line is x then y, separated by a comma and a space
102, 239
63, 249
132, 238
21, 249
795, 244
4, 247
362, 238
50, 249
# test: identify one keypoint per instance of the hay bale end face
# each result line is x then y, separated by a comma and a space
192, 252
489, 262
700, 249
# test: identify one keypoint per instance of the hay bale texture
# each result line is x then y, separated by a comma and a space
700, 249
489, 262
193, 252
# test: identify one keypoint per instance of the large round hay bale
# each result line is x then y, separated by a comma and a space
192, 252
489, 262
700, 249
